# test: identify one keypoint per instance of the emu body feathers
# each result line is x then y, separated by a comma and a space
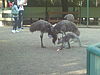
60, 27
43, 27
66, 26
40, 25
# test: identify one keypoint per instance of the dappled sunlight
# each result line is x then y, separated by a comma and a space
1, 25
1, 31
4, 40
77, 72
69, 64
54, 73
27, 25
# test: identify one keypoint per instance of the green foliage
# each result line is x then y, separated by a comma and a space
42, 3
57, 3
75, 3
10, 0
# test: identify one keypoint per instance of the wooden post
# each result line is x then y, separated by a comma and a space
87, 13
1, 24
1, 5
4, 3
46, 9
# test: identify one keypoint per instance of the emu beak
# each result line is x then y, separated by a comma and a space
54, 43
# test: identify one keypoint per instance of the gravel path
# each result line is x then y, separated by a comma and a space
21, 54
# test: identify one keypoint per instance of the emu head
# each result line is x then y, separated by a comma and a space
54, 38
56, 28
52, 34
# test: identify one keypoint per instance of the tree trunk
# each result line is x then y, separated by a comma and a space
64, 5
46, 10
3, 3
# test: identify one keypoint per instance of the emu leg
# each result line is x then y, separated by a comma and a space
79, 42
41, 36
69, 45
62, 46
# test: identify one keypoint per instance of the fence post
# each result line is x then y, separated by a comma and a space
1, 24
93, 59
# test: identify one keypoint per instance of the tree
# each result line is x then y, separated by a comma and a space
69, 3
3, 3
65, 5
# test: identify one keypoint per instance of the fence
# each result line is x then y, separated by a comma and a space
93, 60
5, 17
33, 13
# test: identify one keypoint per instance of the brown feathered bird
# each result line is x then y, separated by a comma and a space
44, 27
65, 26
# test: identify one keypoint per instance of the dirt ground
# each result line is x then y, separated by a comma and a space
21, 54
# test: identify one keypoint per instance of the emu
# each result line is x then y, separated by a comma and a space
69, 17
44, 27
65, 26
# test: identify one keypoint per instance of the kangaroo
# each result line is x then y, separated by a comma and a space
66, 39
